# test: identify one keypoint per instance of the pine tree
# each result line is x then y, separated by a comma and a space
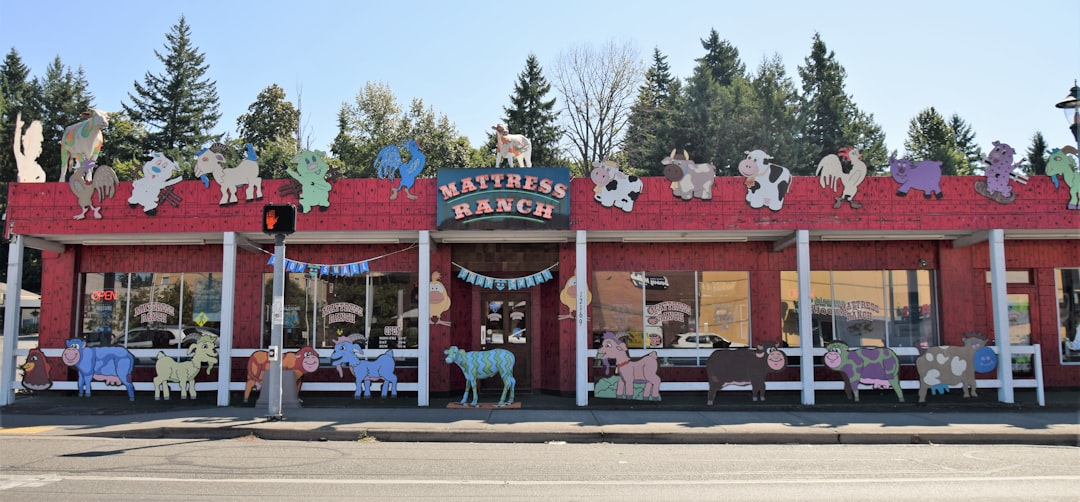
532, 116
647, 138
930, 137
965, 143
1036, 155
721, 59
19, 96
178, 107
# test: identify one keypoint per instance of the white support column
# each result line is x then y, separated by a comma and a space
581, 338
806, 329
12, 316
1000, 302
423, 362
228, 303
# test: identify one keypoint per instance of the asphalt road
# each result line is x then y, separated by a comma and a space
81, 468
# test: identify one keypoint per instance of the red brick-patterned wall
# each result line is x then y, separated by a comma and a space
45, 210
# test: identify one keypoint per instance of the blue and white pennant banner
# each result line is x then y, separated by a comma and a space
342, 270
510, 283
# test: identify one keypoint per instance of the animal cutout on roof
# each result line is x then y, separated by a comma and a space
1062, 162
875, 366
1000, 170
102, 182
614, 187
147, 191
688, 178
388, 162
511, 146
439, 300
923, 175
743, 367
311, 171
184, 372
26, 155
35, 371
210, 161
82, 141
300, 362
767, 184
568, 297
847, 167
630, 372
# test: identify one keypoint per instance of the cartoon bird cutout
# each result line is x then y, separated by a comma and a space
35, 371
440, 300
91, 179
388, 161
568, 297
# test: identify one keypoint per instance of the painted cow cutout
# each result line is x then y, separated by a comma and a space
767, 184
744, 367
941, 367
111, 365
301, 362
614, 187
82, 141
876, 366
688, 178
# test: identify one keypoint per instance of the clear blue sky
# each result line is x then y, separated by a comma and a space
1000, 65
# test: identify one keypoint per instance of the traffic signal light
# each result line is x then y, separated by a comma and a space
279, 219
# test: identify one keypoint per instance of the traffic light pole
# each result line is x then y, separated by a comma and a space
277, 322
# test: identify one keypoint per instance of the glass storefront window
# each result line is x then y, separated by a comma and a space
1068, 301
150, 309
378, 309
672, 309
892, 308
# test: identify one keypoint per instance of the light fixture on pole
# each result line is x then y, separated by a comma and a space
1071, 107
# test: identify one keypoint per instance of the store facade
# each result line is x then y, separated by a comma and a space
545, 266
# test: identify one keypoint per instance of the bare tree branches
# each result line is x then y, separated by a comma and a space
598, 87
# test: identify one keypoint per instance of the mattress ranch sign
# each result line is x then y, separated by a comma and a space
488, 199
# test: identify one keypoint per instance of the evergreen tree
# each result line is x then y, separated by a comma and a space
18, 96
965, 143
647, 138
178, 107
123, 147
828, 118
930, 137
1036, 155
270, 126
532, 116
721, 59
64, 99
772, 129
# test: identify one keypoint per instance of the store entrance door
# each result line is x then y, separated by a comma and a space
505, 320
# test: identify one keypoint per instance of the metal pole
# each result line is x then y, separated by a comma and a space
277, 322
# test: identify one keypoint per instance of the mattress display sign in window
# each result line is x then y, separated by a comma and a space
535, 198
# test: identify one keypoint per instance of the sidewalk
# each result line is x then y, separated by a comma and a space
681, 418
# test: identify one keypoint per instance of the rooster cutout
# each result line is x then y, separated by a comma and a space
388, 161
90, 179
833, 167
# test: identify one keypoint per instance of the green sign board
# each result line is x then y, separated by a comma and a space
529, 198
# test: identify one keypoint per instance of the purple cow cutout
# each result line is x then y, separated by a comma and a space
111, 365
876, 366
924, 175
